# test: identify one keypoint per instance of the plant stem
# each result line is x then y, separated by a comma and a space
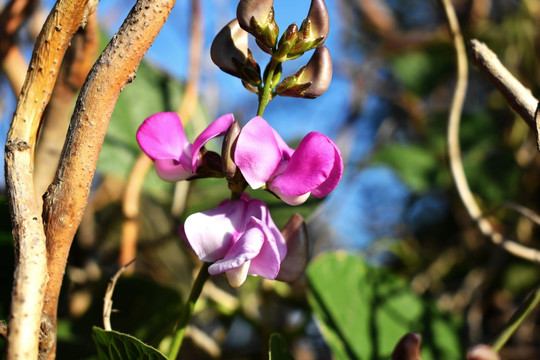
515, 321
187, 312
266, 95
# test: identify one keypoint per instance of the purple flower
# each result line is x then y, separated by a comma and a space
162, 138
240, 237
265, 160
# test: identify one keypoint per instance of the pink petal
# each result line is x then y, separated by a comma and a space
286, 151
309, 167
257, 152
217, 128
211, 233
268, 260
246, 248
333, 179
270, 228
172, 170
161, 136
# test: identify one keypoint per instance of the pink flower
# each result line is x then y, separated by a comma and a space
265, 160
240, 237
162, 138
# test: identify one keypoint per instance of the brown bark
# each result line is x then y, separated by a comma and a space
67, 196
75, 67
28, 233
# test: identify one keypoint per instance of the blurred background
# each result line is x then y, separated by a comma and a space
395, 211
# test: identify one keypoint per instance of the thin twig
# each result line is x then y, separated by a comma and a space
107, 300
518, 96
67, 196
28, 233
456, 164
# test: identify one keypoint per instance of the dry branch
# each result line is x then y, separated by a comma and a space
67, 196
456, 164
28, 232
518, 96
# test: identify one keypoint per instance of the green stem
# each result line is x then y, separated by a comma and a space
266, 95
515, 321
188, 311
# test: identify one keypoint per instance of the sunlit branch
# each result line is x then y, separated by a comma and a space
28, 233
67, 196
518, 96
456, 164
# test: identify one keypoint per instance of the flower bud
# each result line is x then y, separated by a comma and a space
286, 43
295, 235
227, 157
311, 80
408, 348
257, 18
230, 52
482, 352
314, 29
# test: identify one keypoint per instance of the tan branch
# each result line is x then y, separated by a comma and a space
456, 164
67, 196
107, 300
77, 63
28, 232
518, 96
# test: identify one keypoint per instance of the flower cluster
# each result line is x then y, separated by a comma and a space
239, 236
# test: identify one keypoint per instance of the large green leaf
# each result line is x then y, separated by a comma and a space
279, 349
112, 345
364, 311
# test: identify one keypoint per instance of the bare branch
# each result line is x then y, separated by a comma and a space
107, 300
456, 164
28, 232
67, 196
518, 96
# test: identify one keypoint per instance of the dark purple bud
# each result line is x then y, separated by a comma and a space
257, 18
295, 234
311, 80
482, 352
227, 156
320, 22
230, 52
408, 347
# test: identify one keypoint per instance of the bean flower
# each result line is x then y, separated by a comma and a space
239, 237
162, 138
265, 160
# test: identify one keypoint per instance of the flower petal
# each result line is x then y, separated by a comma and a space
257, 152
211, 233
268, 260
217, 128
271, 230
238, 276
161, 136
333, 179
246, 248
309, 166
172, 170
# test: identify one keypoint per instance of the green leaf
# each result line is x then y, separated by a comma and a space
112, 345
279, 349
364, 311
415, 165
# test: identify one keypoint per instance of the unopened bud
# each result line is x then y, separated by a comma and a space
230, 52
482, 352
295, 235
228, 165
408, 348
311, 80
314, 29
257, 18
286, 43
